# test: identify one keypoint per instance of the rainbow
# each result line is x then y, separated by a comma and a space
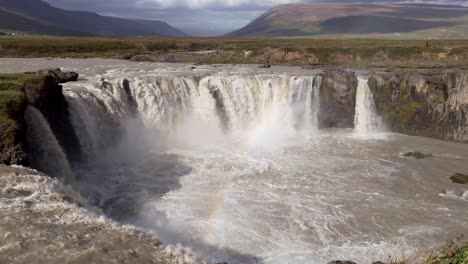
215, 212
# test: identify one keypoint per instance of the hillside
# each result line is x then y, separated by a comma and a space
355, 20
38, 17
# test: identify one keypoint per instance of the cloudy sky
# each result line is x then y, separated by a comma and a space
205, 17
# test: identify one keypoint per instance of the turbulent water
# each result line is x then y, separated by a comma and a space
228, 161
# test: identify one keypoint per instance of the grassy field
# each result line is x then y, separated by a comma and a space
346, 52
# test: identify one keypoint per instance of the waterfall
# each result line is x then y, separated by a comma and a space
292, 102
205, 106
45, 152
313, 113
97, 110
366, 119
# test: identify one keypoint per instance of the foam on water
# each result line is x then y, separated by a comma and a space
43, 209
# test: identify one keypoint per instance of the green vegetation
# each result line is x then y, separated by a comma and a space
12, 95
453, 256
350, 52
12, 106
13, 103
454, 252
459, 178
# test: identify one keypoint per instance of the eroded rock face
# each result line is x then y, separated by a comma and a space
60, 76
13, 130
46, 95
338, 99
426, 104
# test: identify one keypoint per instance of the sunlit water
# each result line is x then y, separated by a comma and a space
327, 197
230, 163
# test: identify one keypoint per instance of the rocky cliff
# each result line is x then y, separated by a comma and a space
338, 98
42, 91
424, 104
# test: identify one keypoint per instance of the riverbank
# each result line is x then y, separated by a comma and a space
362, 53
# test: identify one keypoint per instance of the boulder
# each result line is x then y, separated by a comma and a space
459, 178
417, 155
342, 262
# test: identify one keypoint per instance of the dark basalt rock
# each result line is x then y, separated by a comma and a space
459, 178
60, 76
338, 99
44, 93
417, 155
47, 96
428, 104
342, 262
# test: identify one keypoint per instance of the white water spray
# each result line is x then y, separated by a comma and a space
366, 119
44, 150
274, 107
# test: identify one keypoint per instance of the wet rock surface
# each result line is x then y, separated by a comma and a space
428, 103
342, 262
60, 76
417, 155
338, 98
43, 92
47, 96
459, 178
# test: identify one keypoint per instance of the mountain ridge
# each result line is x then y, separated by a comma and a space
325, 19
39, 17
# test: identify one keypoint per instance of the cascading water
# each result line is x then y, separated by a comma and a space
44, 150
185, 155
214, 105
366, 119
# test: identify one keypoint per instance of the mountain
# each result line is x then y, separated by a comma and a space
38, 17
342, 19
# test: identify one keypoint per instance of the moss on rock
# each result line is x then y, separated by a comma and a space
13, 102
428, 104
338, 93
459, 178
